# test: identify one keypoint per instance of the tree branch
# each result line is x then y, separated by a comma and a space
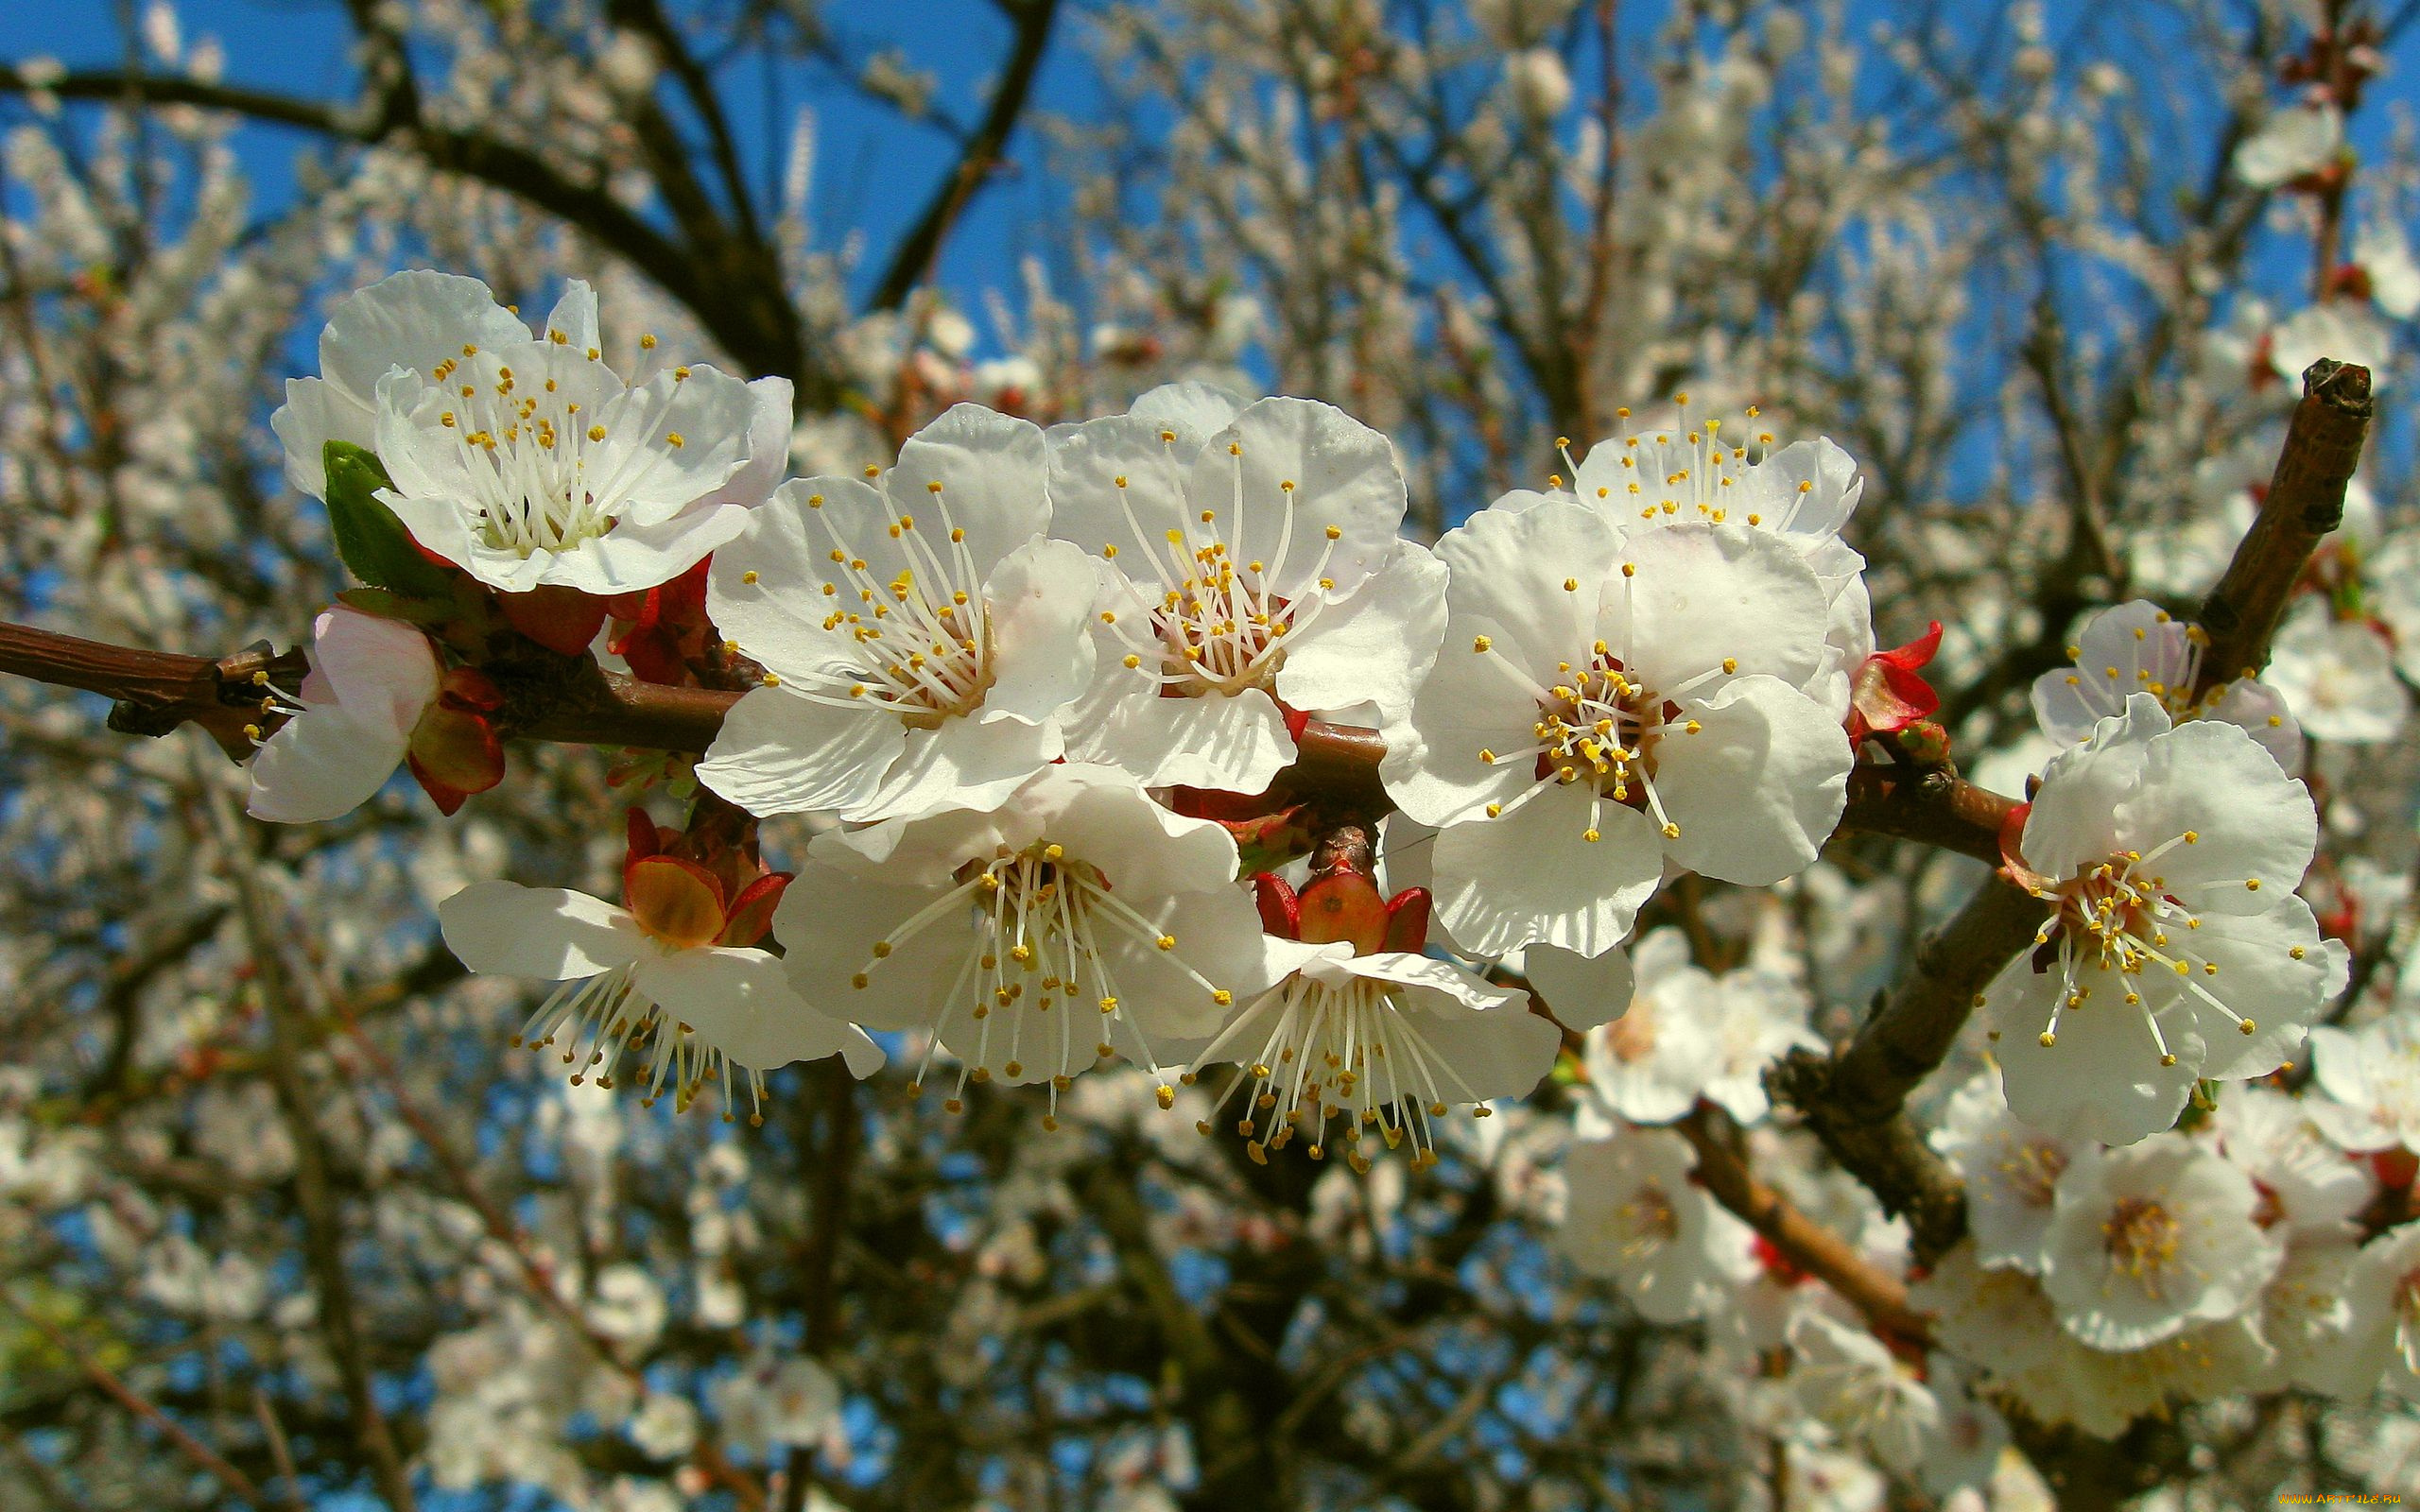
918, 249
2306, 500
761, 334
323, 1240
203, 1457
1803, 1242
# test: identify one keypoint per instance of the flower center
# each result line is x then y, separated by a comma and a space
2141, 1238
2032, 1171
2112, 919
1337, 1052
613, 1018
1036, 923
1632, 1037
1691, 479
2165, 660
1599, 724
923, 638
529, 452
1220, 625
1648, 1220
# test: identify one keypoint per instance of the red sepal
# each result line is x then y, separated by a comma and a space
676, 900
1777, 1265
560, 619
1407, 921
2396, 1168
1280, 911
454, 750
1297, 721
656, 631
751, 912
1889, 692
1343, 905
643, 840
449, 801
2011, 849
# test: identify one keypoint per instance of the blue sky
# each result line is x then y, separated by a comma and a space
872, 173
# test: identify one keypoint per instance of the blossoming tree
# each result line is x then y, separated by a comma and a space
1743, 845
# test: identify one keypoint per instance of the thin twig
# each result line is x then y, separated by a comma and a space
922, 246
125, 1395
1801, 1240
314, 1193
279, 1451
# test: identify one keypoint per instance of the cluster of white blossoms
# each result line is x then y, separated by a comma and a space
1038, 693
2100, 1282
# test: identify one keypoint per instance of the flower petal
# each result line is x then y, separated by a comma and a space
1509, 568
505, 929
413, 319
1375, 649
1287, 472
1705, 592
738, 1002
1237, 742
1530, 876
1040, 602
781, 753
641, 472
322, 764
2248, 819
2073, 822
993, 475
966, 764
1582, 991
1759, 788
384, 672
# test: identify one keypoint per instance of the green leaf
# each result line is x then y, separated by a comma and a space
375, 546
387, 604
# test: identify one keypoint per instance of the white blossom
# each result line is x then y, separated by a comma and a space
1388, 1041
922, 645
1632, 1214
2383, 1288
1077, 920
2011, 1171
1250, 567
2176, 948
2338, 676
1850, 1381
647, 982
2370, 1079
524, 458
1686, 1033
1603, 703
2293, 142
2147, 1241
2139, 647
371, 680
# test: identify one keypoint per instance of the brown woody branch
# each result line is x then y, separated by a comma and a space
202, 1455
981, 154
1805, 1244
2305, 501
